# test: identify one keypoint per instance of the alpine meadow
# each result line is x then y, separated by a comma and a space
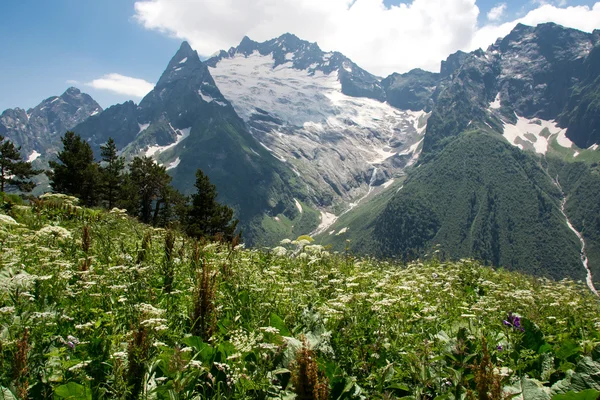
269, 218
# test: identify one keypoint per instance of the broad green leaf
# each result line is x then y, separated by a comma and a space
73, 391
567, 349
589, 394
6, 394
276, 322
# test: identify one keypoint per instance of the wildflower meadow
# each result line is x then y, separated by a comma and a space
94, 305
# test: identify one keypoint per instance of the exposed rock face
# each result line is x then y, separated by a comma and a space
39, 129
531, 73
186, 123
323, 115
411, 91
303, 55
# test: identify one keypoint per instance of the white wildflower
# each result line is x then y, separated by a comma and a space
6, 220
55, 232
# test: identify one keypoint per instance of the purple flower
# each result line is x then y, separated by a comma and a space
71, 345
514, 322
500, 348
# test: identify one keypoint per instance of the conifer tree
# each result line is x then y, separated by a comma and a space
146, 182
206, 217
14, 171
112, 172
75, 173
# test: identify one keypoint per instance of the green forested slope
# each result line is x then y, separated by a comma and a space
482, 198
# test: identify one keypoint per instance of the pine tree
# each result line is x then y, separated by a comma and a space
206, 217
146, 182
112, 172
75, 173
14, 171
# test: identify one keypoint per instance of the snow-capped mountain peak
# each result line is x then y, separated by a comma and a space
299, 54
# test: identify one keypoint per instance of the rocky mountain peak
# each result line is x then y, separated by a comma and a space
185, 65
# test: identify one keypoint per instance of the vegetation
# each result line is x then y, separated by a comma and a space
581, 184
481, 198
75, 173
144, 190
206, 217
112, 172
96, 305
14, 171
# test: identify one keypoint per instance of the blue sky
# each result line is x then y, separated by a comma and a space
50, 45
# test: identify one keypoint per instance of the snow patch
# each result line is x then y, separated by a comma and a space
96, 111
207, 98
33, 156
183, 61
56, 99
327, 219
182, 134
496, 103
593, 147
530, 131
342, 231
143, 127
298, 205
174, 164
289, 56
388, 183
563, 140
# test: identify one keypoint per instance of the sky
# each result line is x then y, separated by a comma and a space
115, 50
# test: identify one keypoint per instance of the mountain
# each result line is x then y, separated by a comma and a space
322, 115
582, 111
411, 91
528, 75
186, 123
38, 130
494, 157
497, 178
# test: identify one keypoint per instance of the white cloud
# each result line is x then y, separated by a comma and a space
419, 33
497, 12
580, 17
122, 85
72, 82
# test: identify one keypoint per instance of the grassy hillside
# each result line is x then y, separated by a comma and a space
96, 305
480, 198
581, 183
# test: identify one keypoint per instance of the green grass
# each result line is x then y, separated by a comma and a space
359, 222
96, 305
585, 155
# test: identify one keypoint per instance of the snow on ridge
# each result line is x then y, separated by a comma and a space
174, 164
143, 127
33, 156
496, 103
322, 130
182, 134
207, 98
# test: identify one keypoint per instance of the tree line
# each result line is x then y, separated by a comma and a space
142, 186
